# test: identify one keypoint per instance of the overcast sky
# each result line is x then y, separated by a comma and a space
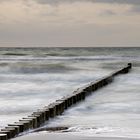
69, 23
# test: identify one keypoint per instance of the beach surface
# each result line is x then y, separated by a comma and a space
67, 136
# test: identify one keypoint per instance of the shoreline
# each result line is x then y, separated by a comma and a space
68, 136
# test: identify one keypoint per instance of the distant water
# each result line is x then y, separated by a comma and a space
34, 77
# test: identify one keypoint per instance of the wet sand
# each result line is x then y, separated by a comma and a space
66, 136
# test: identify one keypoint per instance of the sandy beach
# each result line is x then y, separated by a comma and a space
66, 136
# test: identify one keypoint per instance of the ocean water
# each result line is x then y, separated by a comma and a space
31, 78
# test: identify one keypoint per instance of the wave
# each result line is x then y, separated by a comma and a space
25, 57
97, 131
87, 51
96, 58
14, 54
32, 68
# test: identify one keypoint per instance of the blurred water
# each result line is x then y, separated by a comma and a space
32, 78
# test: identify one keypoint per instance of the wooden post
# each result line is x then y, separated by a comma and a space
3, 137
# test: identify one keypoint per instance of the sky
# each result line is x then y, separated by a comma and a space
69, 23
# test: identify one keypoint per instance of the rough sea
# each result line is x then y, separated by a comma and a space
31, 78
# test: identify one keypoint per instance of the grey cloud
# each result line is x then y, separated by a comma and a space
107, 13
135, 9
56, 1
134, 2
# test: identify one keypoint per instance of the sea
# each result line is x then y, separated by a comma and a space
31, 78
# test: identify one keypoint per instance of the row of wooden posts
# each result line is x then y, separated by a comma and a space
41, 116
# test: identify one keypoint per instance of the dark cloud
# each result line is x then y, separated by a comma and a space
135, 9
134, 2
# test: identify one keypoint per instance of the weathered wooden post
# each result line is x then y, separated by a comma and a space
3, 137
20, 125
34, 120
7, 133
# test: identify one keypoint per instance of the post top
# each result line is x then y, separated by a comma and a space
3, 134
130, 65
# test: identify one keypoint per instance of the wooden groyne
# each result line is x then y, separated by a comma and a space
41, 116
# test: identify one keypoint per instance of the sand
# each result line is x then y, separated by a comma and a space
66, 136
